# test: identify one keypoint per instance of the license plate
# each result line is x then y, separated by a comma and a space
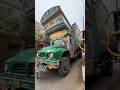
17, 83
41, 68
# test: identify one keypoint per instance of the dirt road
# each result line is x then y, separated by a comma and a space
52, 81
100, 82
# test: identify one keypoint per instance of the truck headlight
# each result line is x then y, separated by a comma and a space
50, 55
6, 67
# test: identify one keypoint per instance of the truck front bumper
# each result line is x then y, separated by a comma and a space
47, 61
14, 81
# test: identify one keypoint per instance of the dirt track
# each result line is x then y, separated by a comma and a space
52, 81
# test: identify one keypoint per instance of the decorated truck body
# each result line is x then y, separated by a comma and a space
62, 43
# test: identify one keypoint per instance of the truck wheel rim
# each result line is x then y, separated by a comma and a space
66, 66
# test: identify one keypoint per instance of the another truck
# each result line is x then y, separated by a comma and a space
99, 24
19, 69
62, 43
19, 72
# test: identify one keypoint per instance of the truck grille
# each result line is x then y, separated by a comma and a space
19, 68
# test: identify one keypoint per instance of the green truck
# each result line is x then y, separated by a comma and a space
19, 72
62, 43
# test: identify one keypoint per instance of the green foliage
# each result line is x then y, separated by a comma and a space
38, 36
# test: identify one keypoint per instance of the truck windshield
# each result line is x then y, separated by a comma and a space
59, 42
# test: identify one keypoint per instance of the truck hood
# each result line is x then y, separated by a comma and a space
24, 56
52, 48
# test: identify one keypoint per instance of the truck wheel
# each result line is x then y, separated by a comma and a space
107, 69
64, 66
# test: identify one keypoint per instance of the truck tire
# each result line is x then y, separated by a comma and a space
64, 66
107, 69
